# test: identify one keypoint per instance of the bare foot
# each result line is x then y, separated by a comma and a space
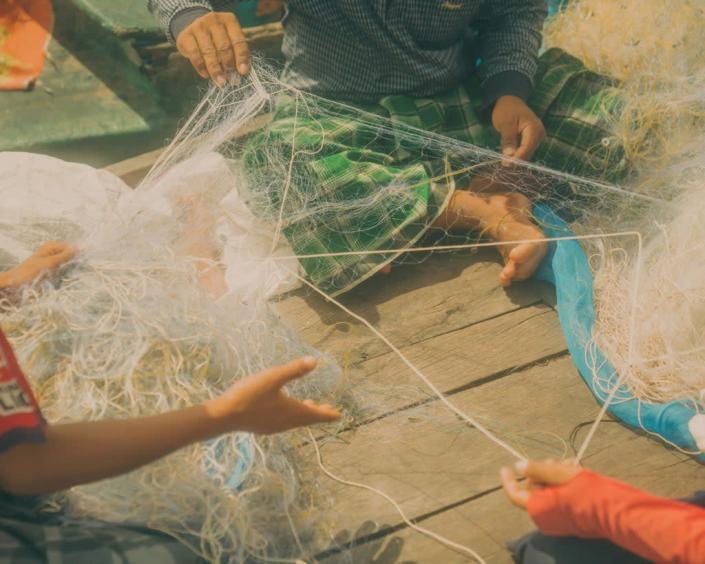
503, 218
514, 224
46, 259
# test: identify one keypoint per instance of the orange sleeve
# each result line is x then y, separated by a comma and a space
592, 506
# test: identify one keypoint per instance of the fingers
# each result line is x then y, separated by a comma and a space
310, 412
520, 130
61, 257
239, 44
281, 375
208, 52
516, 493
531, 136
216, 47
55, 253
551, 473
509, 134
224, 53
188, 47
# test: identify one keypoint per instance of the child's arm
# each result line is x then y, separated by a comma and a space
564, 500
50, 256
85, 452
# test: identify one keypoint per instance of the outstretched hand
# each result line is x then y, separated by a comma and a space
538, 475
520, 128
47, 258
216, 46
259, 404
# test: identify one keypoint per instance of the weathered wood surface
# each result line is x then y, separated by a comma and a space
500, 356
444, 473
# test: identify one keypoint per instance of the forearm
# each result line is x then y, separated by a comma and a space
592, 506
79, 453
510, 39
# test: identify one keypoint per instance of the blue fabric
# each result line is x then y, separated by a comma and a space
567, 268
243, 464
555, 6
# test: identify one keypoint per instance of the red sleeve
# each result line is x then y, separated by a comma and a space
592, 506
21, 420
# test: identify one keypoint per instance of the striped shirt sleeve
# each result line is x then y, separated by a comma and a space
166, 10
510, 38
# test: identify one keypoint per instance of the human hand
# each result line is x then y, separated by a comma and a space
538, 475
520, 129
258, 403
215, 45
47, 258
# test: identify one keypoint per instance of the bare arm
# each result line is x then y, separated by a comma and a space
47, 258
85, 452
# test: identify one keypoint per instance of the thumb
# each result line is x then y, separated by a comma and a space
509, 135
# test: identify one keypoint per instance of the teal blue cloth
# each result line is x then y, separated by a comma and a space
555, 6
567, 268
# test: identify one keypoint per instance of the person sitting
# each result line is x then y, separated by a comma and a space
468, 70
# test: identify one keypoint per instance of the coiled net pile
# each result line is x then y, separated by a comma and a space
127, 329
654, 49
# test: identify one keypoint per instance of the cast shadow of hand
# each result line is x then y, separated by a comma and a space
367, 545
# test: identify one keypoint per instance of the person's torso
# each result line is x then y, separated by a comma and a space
362, 50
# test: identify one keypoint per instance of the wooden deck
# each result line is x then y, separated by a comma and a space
496, 354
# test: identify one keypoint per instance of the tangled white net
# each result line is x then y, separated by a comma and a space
262, 179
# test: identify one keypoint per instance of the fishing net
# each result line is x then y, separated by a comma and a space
129, 329
285, 190
658, 345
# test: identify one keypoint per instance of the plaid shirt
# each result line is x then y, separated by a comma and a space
363, 50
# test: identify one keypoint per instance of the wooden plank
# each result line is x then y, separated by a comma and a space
133, 170
413, 303
485, 524
428, 460
456, 359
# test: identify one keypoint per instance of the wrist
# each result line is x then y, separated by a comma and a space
181, 20
505, 83
220, 413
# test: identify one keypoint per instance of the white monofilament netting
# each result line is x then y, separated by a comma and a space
662, 70
128, 329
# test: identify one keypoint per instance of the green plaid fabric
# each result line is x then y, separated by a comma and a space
359, 183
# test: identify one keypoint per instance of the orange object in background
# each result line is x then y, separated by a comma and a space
25, 31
